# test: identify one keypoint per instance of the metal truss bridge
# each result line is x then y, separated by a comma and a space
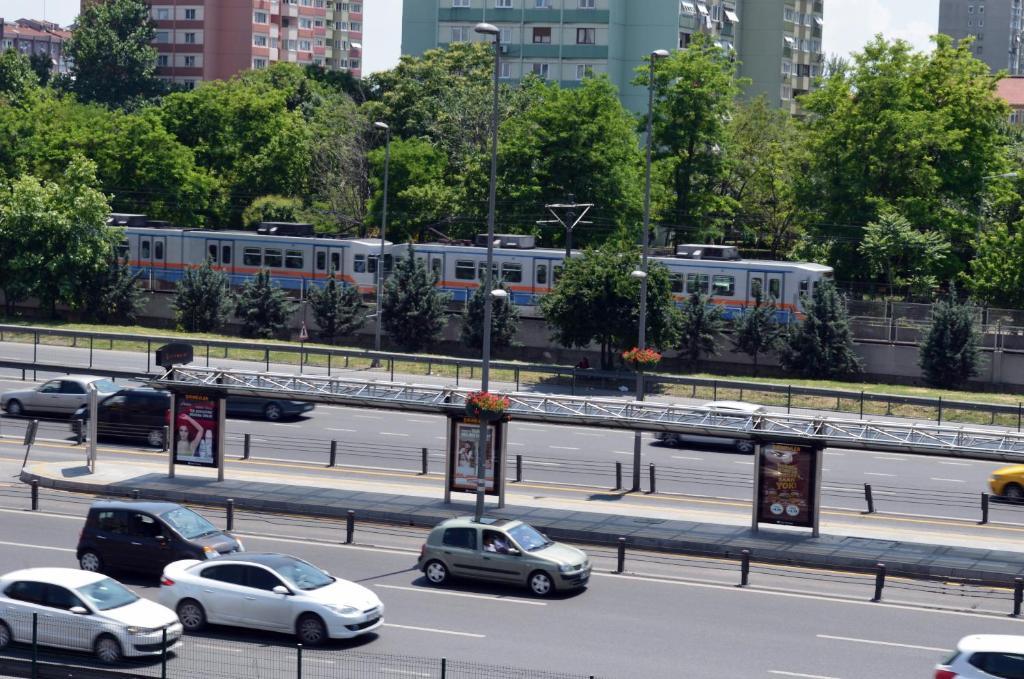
614, 413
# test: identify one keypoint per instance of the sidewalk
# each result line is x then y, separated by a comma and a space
600, 518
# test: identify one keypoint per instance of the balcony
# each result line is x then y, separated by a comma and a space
585, 52
584, 16
541, 50
461, 14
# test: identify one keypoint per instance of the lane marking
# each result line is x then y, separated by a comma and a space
957, 464
783, 673
883, 643
463, 595
391, 433
890, 459
742, 462
542, 464
213, 647
585, 433
520, 445
21, 544
279, 424
340, 429
436, 631
368, 417
877, 474
934, 478
686, 457
622, 452
563, 448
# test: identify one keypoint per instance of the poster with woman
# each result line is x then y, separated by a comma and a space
195, 430
467, 438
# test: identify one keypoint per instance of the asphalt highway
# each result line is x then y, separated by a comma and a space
665, 617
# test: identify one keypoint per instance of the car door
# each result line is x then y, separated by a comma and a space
459, 547
500, 564
46, 398
149, 545
72, 395
111, 415
221, 591
63, 628
23, 599
113, 539
264, 608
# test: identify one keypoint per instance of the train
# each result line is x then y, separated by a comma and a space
298, 259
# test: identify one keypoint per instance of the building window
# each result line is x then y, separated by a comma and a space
356, 7
356, 26
291, 45
503, 4
354, 63
815, 70
460, 3
189, 84
587, 4
787, 67
687, 7
586, 36
163, 14
803, 70
259, 40
190, 62
305, 46
539, 70
459, 33
542, 4
161, 60
731, 15
541, 35
190, 15
584, 71
816, 46
506, 36
981, 9
190, 38
159, 36
259, 17
684, 40
970, 9
506, 69
305, 23
259, 63
319, 23
716, 12
787, 92
788, 13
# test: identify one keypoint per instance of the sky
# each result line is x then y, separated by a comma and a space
848, 23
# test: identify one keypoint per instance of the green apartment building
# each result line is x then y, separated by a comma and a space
565, 40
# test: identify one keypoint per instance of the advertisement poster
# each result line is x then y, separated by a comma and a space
467, 440
195, 430
786, 492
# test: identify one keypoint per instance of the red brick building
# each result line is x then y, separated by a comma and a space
30, 36
1011, 90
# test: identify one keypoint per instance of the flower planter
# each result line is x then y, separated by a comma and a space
641, 359
485, 406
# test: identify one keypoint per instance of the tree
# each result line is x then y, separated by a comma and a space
263, 306
112, 295
596, 300
272, 209
822, 345
904, 255
42, 66
695, 91
996, 274
504, 320
949, 352
113, 61
756, 331
54, 234
414, 310
337, 308
701, 328
202, 299
16, 76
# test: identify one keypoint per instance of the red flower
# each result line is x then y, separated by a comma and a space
641, 358
482, 401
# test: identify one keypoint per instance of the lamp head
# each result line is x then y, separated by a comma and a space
639, 275
381, 126
659, 54
487, 29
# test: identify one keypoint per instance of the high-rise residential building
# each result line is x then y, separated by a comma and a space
995, 25
782, 49
31, 36
566, 40
215, 39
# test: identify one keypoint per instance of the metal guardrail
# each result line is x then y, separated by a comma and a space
926, 439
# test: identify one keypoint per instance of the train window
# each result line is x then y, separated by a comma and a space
676, 281
272, 258
212, 252
389, 263
696, 282
252, 257
724, 286
335, 261
435, 266
158, 250
542, 274
225, 254
372, 264
756, 288
775, 288
359, 264
481, 270
321, 260
122, 250
804, 286
145, 249
557, 271
293, 259
512, 272
464, 269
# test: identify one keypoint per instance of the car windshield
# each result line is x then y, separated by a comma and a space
303, 575
105, 386
107, 594
188, 524
528, 537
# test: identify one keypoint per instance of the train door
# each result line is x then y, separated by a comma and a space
774, 288
153, 258
220, 254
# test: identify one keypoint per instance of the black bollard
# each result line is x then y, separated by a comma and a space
35, 494
350, 526
869, 498
879, 581
231, 514
744, 567
621, 566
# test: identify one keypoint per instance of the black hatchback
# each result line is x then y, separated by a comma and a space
146, 536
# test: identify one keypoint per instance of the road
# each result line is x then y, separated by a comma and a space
666, 617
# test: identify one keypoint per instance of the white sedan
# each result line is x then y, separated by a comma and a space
984, 656
274, 592
61, 396
83, 611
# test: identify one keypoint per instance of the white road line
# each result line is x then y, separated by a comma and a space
21, 544
520, 425
742, 462
520, 445
797, 674
279, 424
685, 457
542, 464
587, 433
957, 464
563, 448
445, 438
370, 417
884, 643
890, 458
218, 648
391, 433
421, 421
935, 478
339, 429
463, 595
622, 452
436, 631
877, 474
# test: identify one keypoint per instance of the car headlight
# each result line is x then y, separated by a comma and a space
341, 609
567, 568
142, 630
210, 552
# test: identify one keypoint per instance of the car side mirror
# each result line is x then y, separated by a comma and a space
79, 610
281, 589
513, 551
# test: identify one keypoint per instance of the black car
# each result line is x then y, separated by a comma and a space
141, 414
146, 536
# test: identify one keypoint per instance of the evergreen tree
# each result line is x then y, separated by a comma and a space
756, 331
949, 352
337, 308
414, 311
263, 306
702, 325
42, 65
112, 295
504, 320
822, 345
202, 299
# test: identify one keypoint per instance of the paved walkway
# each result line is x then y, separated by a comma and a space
599, 518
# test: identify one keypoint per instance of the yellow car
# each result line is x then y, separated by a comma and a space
1008, 482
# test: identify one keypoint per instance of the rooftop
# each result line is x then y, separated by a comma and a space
1011, 90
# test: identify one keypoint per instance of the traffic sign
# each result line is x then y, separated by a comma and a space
303, 333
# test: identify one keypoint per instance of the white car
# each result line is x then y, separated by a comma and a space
721, 413
984, 656
82, 611
274, 592
60, 396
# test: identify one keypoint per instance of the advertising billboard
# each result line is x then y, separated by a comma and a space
787, 485
462, 455
194, 430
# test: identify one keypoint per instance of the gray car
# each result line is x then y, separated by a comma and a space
502, 550
61, 396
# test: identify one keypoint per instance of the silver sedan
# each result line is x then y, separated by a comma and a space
61, 396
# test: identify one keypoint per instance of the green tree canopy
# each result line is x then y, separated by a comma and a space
822, 345
949, 352
202, 299
902, 254
996, 274
263, 306
337, 308
419, 194
504, 320
272, 209
414, 310
701, 326
113, 296
16, 75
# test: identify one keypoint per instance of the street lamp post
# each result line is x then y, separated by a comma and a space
488, 283
383, 229
642, 273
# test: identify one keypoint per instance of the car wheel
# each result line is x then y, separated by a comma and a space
191, 615
273, 412
745, 447
1013, 491
90, 561
14, 408
436, 572
5, 635
311, 630
155, 438
108, 649
541, 584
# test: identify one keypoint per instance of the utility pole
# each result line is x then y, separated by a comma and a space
573, 216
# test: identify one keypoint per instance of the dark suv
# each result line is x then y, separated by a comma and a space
146, 536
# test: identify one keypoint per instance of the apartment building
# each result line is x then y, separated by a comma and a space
995, 25
215, 39
567, 40
1011, 90
31, 36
